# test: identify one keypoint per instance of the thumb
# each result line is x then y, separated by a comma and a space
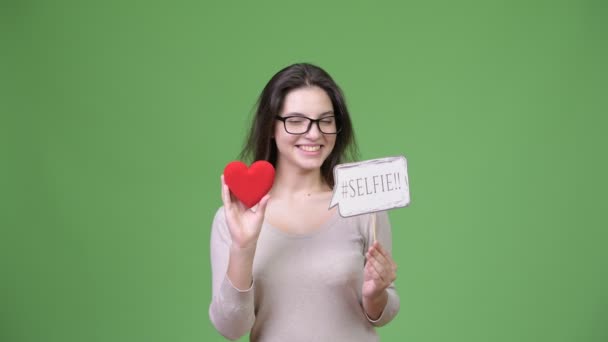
261, 210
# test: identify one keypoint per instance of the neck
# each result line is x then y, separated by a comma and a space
290, 182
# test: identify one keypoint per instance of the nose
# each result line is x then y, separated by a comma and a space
313, 132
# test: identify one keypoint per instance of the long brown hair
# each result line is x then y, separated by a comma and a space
260, 145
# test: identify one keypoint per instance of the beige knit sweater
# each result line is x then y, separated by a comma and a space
305, 287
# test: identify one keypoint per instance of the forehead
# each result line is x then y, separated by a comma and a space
310, 101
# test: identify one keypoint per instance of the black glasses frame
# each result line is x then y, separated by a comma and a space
310, 122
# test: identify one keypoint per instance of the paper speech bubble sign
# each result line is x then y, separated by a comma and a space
371, 185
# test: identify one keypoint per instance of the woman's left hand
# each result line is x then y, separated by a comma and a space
380, 271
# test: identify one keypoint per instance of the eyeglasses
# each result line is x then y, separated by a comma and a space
302, 124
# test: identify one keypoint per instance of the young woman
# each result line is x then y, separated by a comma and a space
290, 269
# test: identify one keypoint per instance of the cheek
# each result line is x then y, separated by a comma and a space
332, 145
281, 137
332, 141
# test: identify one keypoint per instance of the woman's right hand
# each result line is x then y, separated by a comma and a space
244, 224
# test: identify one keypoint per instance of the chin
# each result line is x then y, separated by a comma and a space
308, 165
311, 166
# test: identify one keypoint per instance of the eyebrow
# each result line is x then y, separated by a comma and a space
300, 114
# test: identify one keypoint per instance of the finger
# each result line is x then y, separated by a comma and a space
388, 256
376, 265
380, 258
381, 249
385, 268
226, 199
369, 266
368, 271
375, 275
381, 269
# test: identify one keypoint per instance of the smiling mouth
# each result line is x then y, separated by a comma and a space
309, 148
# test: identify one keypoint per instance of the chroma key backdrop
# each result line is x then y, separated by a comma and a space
118, 117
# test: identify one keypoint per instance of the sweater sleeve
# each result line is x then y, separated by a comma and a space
231, 310
384, 237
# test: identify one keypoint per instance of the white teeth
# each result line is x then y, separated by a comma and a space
310, 148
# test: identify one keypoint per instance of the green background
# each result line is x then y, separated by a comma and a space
118, 117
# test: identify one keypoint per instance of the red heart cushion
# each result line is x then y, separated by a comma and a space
249, 184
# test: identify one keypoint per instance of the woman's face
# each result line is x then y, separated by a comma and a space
305, 151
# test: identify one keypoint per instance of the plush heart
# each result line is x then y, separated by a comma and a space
249, 184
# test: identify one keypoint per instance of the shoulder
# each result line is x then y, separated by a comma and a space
219, 227
220, 215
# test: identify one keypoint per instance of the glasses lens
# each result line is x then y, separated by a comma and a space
299, 125
328, 125
296, 125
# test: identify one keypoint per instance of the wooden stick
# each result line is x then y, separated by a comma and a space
373, 223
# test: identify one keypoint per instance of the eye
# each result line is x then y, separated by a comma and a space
327, 121
295, 120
